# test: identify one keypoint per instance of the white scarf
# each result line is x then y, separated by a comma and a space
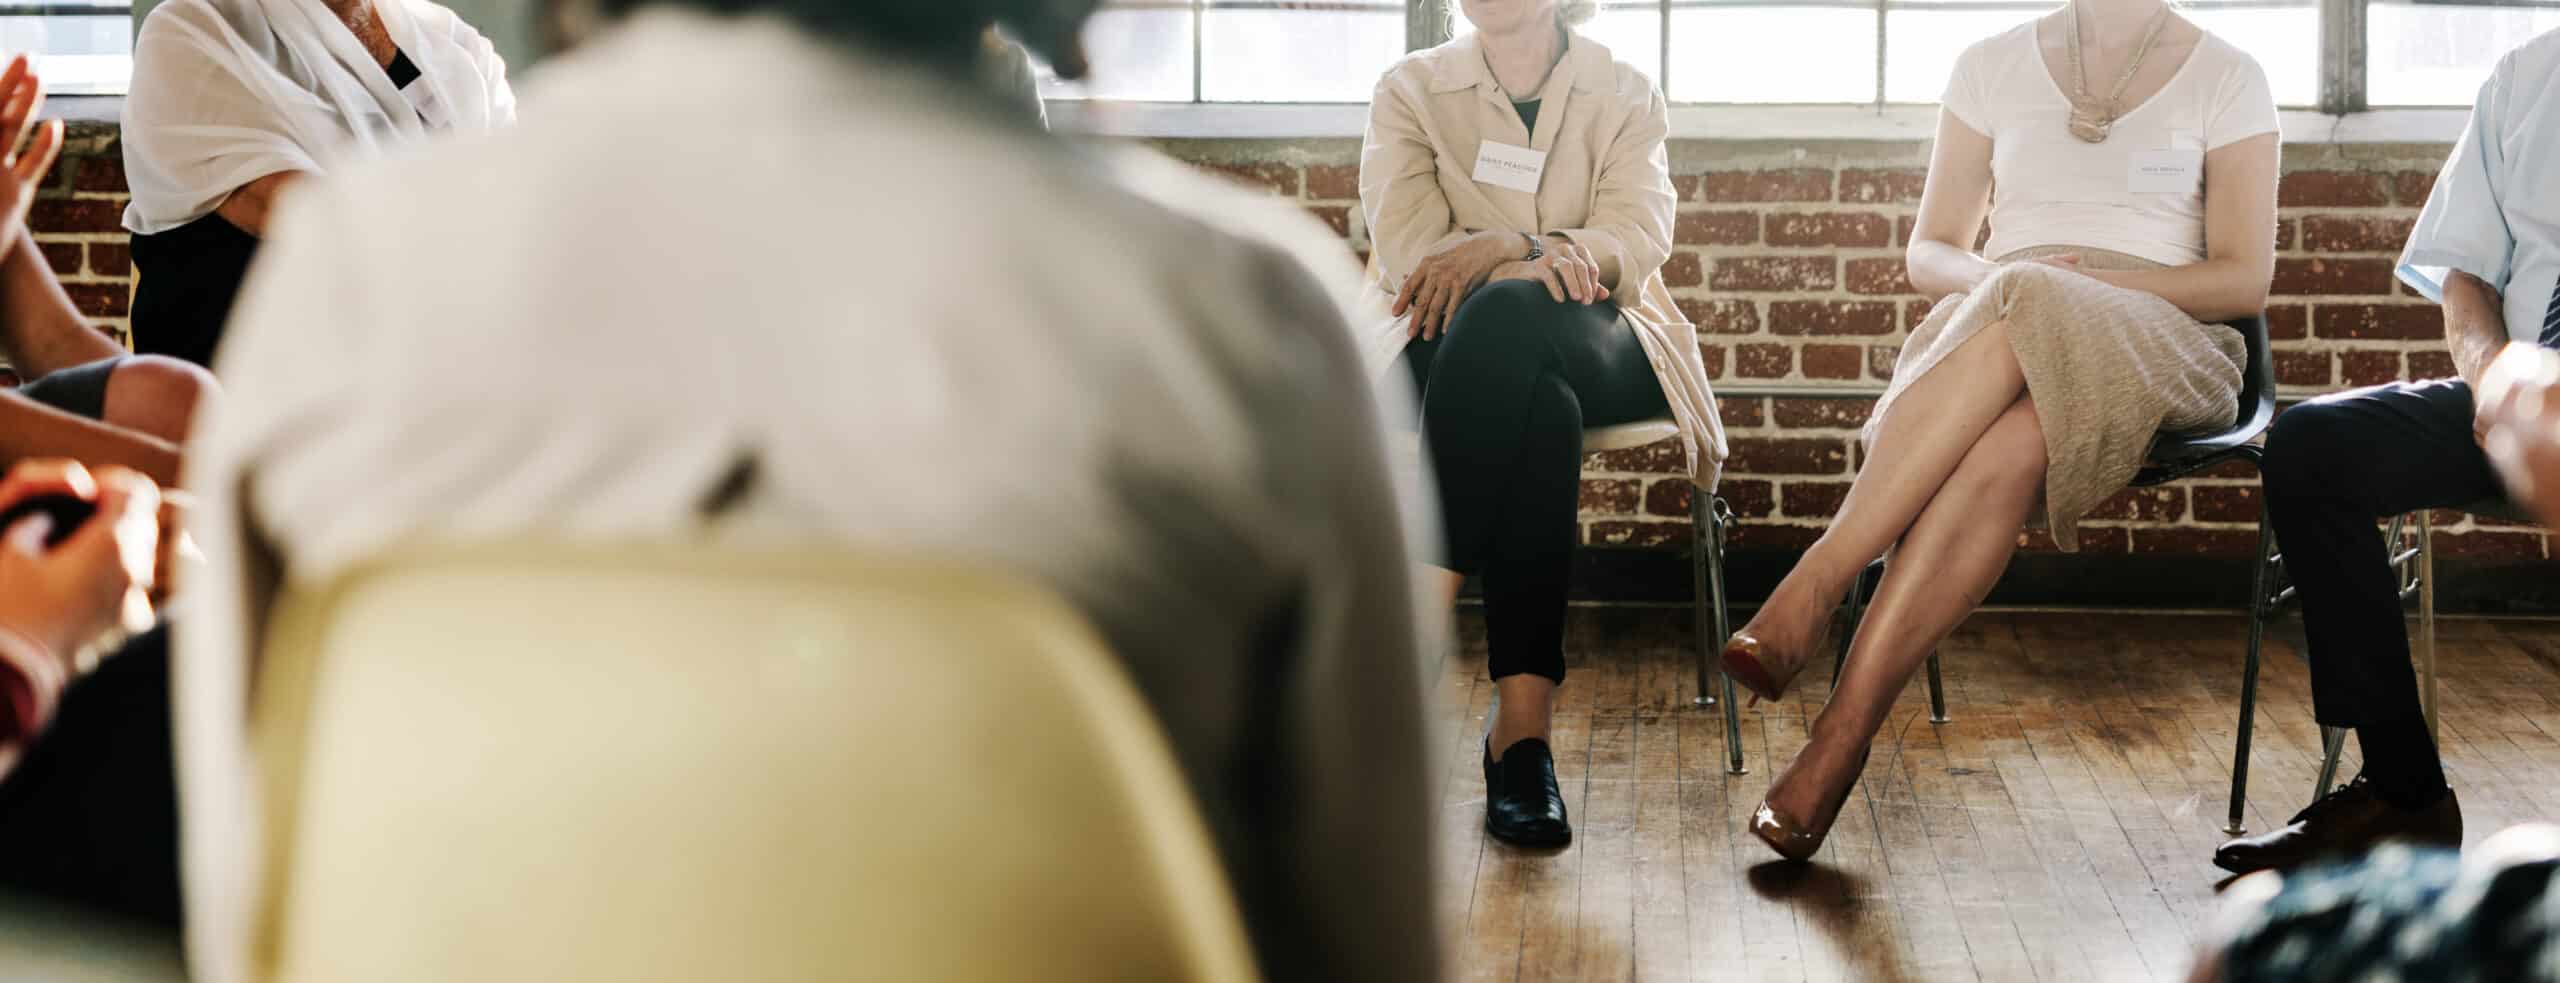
228, 91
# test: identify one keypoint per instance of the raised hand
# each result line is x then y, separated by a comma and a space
33, 145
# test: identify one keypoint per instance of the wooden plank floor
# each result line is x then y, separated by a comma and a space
2060, 828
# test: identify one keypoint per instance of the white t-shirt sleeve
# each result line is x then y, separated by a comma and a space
2462, 227
2244, 105
1964, 96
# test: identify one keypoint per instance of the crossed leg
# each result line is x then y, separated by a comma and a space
1939, 573
1920, 444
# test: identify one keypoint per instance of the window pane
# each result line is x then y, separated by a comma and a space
2438, 55
1922, 50
79, 54
1297, 56
1136, 54
2285, 40
1766, 54
1633, 35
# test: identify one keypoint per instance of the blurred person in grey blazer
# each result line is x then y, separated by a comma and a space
903, 321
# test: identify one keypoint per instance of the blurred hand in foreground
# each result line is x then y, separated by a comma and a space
2520, 418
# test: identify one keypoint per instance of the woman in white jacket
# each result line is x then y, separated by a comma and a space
1519, 193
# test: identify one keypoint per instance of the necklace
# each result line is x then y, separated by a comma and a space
2091, 122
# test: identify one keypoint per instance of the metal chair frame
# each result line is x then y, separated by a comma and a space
1710, 522
2411, 542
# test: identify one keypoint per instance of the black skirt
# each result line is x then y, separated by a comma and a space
190, 277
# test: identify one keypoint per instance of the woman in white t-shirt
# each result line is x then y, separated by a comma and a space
2127, 160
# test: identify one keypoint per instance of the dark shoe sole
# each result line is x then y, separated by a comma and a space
2237, 867
2424, 843
1533, 840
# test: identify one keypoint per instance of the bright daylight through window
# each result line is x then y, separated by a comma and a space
83, 48
1783, 51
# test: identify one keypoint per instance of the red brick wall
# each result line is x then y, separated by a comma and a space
79, 222
1790, 261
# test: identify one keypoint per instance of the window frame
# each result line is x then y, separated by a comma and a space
2343, 71
44, 8
2341, 90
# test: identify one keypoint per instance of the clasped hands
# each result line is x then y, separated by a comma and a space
2517, 420
64, 590
1443, 280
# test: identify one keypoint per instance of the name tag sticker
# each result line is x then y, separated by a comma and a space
2165, 171
1505, 166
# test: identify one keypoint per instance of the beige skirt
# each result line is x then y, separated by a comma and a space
2110, 370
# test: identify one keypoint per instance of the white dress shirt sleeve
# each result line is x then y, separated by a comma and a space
2463, 226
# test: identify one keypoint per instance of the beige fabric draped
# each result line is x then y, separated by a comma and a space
2110, 370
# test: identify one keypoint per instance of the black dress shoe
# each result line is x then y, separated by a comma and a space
1522, 805
2343, 824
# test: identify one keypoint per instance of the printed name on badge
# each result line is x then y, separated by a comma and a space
1505, 166
2165, 171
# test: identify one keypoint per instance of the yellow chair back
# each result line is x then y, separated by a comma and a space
672, 764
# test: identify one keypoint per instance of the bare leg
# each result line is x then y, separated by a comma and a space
1918, 446
1938, 575
1440, 584
1524, 706
158, 396
39, 327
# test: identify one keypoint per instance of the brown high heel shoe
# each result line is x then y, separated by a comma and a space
1746, 660
1799, 841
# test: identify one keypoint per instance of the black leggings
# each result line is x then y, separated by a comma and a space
1506, 393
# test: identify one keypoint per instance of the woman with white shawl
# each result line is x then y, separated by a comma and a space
235, 100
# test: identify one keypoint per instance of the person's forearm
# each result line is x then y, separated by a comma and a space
31, 430
249, 207
2213, 291
40, 328
1938, 269
2475, 324
31, 685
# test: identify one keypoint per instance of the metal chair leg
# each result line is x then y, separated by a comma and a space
1732, 731
2333, 741
1707, 580
2258, 612
1937, 692
1716, 517
2427, 622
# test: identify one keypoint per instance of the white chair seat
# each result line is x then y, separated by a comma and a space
1626, 435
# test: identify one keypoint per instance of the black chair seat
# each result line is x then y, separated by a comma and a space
2176, 456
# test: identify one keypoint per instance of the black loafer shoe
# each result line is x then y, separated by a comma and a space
1522, 805
2343, 824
